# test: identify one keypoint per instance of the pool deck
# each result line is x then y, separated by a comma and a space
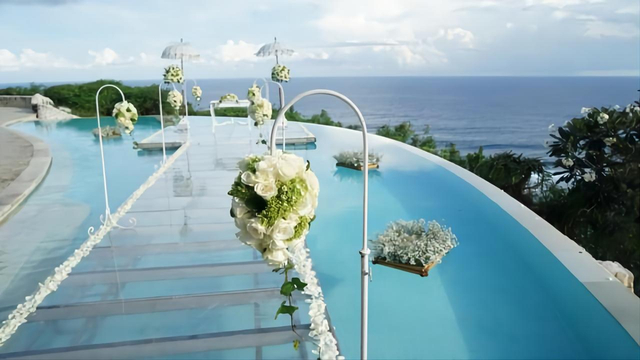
24, 162
178, 283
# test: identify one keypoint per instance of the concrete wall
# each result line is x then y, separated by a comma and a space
15, 101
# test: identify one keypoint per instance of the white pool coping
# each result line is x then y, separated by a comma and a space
612, 294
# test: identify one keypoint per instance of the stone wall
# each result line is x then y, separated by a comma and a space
15, 101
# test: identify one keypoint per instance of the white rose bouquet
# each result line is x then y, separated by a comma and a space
175, 99
254, 94
196, 91
280, 73
259, 111
229, 98
173, 74
126, 115
273, 205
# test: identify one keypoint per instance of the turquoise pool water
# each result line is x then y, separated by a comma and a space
499, 295
54, 220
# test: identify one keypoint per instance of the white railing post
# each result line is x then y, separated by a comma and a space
365, 270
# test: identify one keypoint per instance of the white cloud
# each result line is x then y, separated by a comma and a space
633, 10
8, 61
105, 57
237, 52
509, 25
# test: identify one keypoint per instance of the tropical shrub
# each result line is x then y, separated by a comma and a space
598, 157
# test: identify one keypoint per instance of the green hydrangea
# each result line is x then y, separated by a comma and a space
280, 206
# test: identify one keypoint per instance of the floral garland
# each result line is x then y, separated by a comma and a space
173, 74
408, 242
273, 205
175, 99
229, 98
280, 73
126, 115
51, 284
196, 91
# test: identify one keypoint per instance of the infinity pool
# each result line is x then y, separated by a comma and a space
54, 220
501, 294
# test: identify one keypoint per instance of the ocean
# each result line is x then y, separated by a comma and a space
498, 113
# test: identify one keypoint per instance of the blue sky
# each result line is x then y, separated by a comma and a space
77, 40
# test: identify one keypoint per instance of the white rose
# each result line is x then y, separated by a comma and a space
286, 170
239, 209
282, 230
247, 239
589, 176
248, 178
312, 181
305, 206
266, 189
255, 228
296, 161
276, 258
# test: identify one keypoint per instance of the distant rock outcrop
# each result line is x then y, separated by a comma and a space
46, 110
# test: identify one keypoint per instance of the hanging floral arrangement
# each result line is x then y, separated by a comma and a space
175, 99
196, 91
260, 111
173, 74
254, 94
353, 160
273, 205
409, 246
126, 115
280, 73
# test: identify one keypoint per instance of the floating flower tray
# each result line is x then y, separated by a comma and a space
359, 167
423, 271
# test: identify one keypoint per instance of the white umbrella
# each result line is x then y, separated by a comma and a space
182, 51
274, 48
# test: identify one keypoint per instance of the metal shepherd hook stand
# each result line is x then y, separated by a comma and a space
164, 149
365, 270
281, 97
106, 218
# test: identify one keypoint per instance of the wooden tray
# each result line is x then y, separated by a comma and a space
423, 271
349, 166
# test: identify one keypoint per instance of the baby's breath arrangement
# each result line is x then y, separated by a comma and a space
409, 242
229, 98
353, 159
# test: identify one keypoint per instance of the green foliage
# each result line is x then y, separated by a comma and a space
323, 118
24, 91
599, 158
510, 172
80, 98
401, 132
278, 206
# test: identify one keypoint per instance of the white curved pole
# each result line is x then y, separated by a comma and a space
104, 173
164, 150
107, 214
365, 270
266, 85
284, 123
